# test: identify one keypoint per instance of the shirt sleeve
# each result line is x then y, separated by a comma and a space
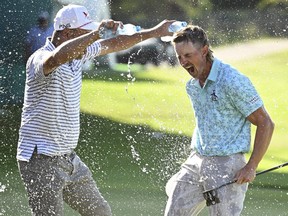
93, 50
244, 95
34, 67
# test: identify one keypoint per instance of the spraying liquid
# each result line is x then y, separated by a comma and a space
174, 27
128, 29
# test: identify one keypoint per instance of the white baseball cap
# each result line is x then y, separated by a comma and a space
72, 17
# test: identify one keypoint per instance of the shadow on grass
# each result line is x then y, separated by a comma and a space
130, 163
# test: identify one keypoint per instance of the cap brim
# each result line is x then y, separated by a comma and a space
90, 26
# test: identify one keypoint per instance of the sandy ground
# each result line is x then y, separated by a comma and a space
244, 51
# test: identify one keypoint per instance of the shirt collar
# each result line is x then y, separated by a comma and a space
49, 45
214, 70
212, 75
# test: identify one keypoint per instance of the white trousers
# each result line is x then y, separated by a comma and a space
198, 174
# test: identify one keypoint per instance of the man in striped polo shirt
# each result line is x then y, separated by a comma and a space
49, 131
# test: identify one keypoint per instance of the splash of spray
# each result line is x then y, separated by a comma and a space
135, 154
2, 187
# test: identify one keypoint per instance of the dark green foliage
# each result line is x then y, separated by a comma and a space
238, 4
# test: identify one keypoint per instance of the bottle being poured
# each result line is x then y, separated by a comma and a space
174, 27
127, 29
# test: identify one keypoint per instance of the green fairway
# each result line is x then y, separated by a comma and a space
135, 132
157, 98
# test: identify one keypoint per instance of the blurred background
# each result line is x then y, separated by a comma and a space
136, 119
225, 22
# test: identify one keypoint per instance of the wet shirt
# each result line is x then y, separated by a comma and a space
51, 109
220, 109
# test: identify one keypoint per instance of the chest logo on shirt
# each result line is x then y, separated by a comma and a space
214, 97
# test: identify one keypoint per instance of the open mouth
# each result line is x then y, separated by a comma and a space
190, 69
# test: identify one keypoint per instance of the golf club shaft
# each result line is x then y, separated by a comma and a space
259, 173
273, 168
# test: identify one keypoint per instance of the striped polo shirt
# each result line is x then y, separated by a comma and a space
51, 109
221, 108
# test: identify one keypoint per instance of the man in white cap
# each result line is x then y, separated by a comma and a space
49, 167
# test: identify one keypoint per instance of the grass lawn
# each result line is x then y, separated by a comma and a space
136, 126
157, 98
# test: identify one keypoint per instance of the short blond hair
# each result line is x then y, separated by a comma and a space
196, 35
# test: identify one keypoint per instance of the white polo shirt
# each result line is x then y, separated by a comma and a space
51, 109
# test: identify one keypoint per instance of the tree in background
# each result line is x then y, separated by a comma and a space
146, 13
236, 4
226, 21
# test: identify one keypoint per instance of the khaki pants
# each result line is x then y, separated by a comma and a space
50, 180
198, 174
